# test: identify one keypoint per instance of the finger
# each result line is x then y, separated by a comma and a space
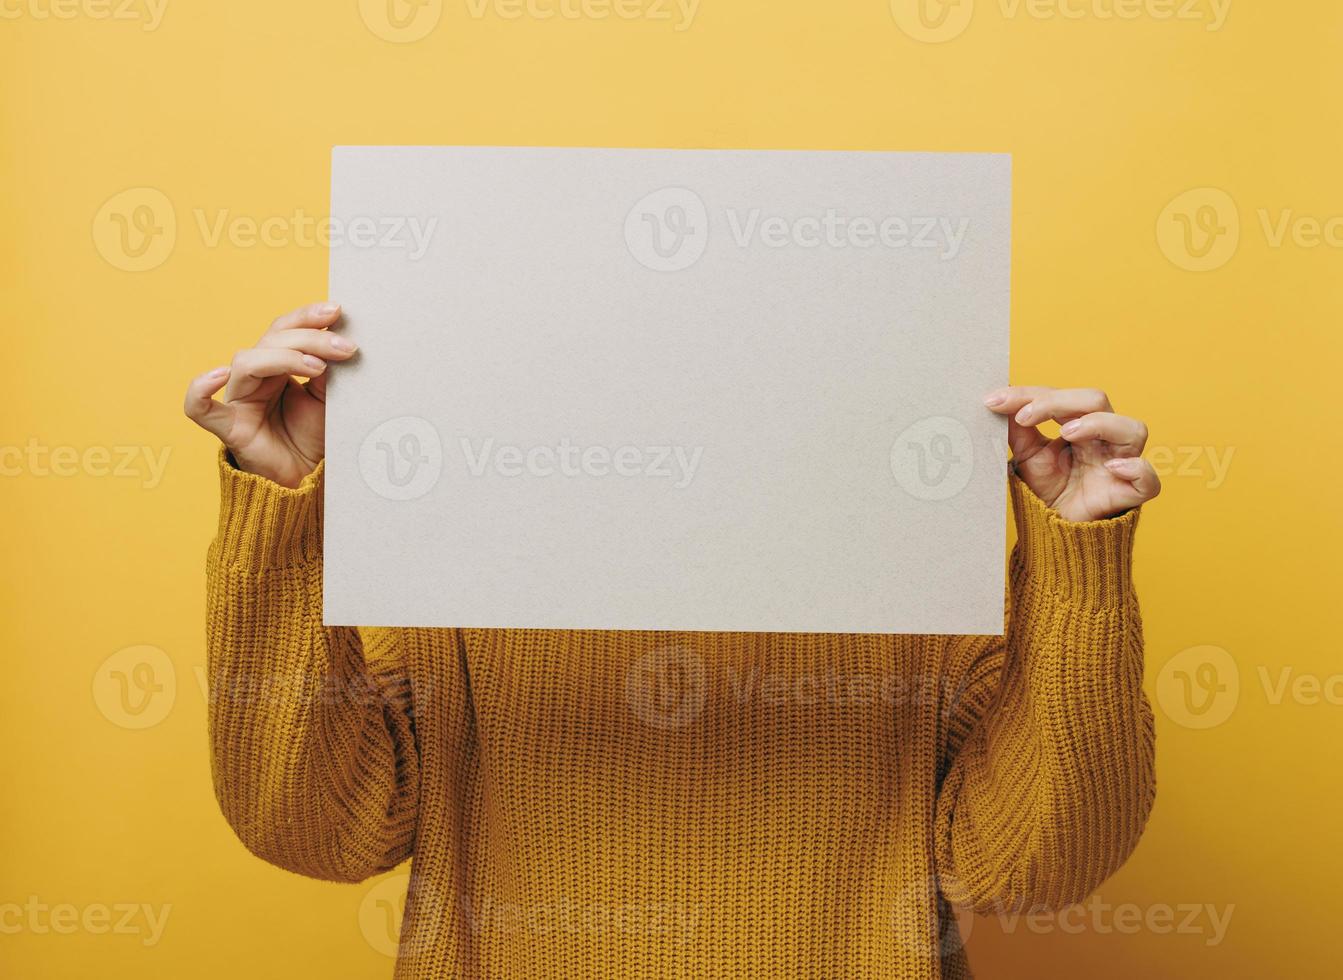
316, 316
255, 365
1024, 440
1062, 405
319, 343
201, 407
1127, 436
1143, 483
317, 387
1009, 400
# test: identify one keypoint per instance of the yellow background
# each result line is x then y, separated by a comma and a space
236, 106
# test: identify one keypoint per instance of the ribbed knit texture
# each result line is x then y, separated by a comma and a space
640, 805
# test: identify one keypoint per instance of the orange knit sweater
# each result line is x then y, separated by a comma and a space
625, 804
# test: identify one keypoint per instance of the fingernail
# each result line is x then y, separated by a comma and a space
1071, 428
994, 400
340, 343
1025, 414
1114, 464
326, 309
218, 372
312, 362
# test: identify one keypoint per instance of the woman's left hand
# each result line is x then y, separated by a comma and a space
1095, 468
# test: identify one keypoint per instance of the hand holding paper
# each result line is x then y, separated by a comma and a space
1094, 469
271, 424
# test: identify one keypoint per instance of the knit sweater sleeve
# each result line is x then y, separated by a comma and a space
1048, 771
313, 753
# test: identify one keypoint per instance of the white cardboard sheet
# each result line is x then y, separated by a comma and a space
668, 390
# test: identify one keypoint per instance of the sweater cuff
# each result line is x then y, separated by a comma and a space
264, 525
1089, 562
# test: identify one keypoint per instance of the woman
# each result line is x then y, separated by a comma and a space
624, 804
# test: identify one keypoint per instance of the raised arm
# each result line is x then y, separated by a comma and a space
315, 762
313, 751
1048, 763
1048, 759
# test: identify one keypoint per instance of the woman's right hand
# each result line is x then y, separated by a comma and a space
272, 424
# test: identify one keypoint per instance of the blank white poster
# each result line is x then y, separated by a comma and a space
668, 390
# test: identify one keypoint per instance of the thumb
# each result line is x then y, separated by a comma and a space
201, 407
